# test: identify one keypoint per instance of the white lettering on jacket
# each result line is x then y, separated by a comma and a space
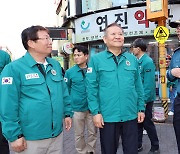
31, 76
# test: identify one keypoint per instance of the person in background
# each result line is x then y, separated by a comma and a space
34, 98
172, 94
75, 78
115, 94
173, 74
4, 60
147, 72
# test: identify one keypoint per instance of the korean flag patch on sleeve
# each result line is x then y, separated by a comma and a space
7, 80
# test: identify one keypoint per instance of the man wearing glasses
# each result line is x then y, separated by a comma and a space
34, 98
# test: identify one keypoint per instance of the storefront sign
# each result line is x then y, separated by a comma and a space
132, 20
67, 47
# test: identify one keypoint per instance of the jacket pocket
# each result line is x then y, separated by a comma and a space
129, 71
33, 82
106, 74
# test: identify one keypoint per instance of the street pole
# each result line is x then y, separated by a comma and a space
157, 11
162, 65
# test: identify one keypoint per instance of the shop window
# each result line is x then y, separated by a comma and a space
136, 1
97, 48
119, 3
153, 52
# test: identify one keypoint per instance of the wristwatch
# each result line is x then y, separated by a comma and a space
141, 111
21, 135
67, 116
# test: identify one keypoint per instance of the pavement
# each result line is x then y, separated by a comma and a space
165, 133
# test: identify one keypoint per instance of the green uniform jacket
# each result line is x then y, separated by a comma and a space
114, 90
147, 71
30, 104
4, 59
75, 80
173, 84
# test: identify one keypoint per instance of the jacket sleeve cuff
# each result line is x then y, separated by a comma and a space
95, 113
68, 114
14, 138
170, 76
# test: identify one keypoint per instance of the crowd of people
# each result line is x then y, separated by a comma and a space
112, 91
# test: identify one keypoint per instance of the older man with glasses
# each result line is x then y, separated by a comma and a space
34, 98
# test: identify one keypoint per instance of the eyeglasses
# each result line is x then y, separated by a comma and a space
45, 38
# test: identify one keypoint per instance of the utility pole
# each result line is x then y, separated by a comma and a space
157, 11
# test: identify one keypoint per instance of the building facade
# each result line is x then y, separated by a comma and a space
88, 18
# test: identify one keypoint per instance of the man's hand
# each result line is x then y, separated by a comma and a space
19, 145
170, 88
68, 123
176, 72
98, 120
141, 116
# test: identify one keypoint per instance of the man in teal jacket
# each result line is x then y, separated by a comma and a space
115, 94
4, 60
76, 81
34, 98
147, 71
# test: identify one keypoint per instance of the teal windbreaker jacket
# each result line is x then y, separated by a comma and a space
31, 104
76, 82
147, 71
114, 89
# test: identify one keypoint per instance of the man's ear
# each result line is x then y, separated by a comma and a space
104, 39
139, 49
31, 43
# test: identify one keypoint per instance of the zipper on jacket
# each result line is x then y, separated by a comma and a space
42, 70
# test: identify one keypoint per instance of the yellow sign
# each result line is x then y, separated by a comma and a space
163, 79
161, 34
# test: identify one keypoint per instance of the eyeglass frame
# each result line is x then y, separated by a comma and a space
45, 38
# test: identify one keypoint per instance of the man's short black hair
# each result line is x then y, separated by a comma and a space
140, 42
81, 48
30, 33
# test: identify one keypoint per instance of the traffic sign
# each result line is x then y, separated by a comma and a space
161, 34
